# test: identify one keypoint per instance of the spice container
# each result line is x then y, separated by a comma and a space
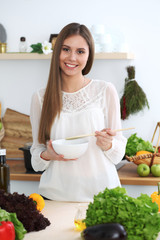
22, 45
4, 172
3, 47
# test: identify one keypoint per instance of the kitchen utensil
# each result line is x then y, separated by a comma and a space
18, 132
2, 131
93, 134
27, 158
71, 149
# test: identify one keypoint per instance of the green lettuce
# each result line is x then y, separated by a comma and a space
139, 216
135, 144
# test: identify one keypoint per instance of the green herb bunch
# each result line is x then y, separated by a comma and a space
139, 216
134, 99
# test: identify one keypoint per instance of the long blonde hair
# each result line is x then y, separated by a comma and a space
52, 104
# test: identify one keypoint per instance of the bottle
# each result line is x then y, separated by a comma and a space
22, 45
4, 172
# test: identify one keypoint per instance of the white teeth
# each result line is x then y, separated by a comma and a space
69, 65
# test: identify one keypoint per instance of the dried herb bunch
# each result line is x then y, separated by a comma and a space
26, 210
134, 99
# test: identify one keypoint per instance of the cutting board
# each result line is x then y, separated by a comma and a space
18, 131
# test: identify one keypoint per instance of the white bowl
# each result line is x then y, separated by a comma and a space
71, 149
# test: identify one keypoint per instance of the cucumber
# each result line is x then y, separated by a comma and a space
106, 231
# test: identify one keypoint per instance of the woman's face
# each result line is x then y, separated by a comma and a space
74, 55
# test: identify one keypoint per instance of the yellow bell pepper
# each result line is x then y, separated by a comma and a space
39, 201
156, 196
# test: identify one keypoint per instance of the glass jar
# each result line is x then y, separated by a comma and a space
80, 216
22, 45
3, 47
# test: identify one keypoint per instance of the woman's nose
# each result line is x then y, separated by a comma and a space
72, 56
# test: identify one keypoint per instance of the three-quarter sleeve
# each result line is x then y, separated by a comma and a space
35, 113
111, 108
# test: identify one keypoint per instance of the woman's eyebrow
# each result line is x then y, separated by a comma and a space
81, 48
65, 46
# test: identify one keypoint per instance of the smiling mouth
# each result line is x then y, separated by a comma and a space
71, 65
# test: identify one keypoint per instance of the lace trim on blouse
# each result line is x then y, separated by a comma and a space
90, 95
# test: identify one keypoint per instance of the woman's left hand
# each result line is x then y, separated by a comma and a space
104, 138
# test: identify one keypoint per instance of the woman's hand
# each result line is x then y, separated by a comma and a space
104, 138
50, 154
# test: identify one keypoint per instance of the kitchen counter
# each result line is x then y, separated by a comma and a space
127, 174
61, 215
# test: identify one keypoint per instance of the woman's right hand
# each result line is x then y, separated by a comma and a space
50, 154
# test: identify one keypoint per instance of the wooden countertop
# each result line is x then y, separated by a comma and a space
127, 174
61, 215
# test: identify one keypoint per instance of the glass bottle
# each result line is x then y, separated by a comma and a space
4, 172
22, 45
80, 216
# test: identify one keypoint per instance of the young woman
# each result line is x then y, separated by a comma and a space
73, 104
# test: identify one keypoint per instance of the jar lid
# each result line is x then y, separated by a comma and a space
2, 152
23, 39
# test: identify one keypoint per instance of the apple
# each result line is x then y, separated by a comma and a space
143, 170
155, 170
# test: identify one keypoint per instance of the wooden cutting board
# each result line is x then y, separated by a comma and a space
18, 131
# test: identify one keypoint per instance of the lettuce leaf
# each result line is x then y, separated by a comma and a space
139, 216
18, 226
135, 144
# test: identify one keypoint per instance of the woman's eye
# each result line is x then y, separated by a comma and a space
80, 51
65, 49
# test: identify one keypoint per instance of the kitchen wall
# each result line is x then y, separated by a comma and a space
139, 22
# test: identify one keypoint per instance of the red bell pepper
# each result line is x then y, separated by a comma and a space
7, 231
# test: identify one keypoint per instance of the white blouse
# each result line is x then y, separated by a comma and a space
94, 107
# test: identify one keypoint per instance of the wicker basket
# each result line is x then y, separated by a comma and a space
151, 158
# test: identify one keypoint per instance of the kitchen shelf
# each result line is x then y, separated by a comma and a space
36, 56
127, 174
